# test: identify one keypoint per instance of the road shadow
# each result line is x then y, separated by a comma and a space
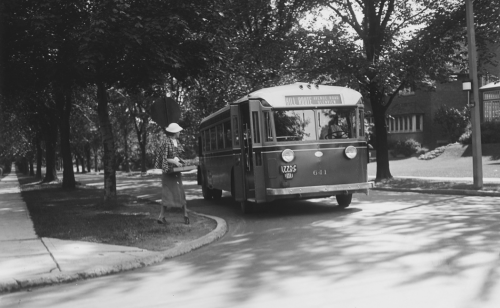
421, 237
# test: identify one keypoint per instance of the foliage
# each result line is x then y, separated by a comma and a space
489, 133
452, 121
432, 154
406, 148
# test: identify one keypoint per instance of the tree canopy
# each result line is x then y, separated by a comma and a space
63, 63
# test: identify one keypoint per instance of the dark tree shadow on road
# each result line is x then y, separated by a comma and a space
303, 238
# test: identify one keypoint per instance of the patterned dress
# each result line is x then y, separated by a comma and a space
173, 194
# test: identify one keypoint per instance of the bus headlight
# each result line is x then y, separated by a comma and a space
351, 152
287, 155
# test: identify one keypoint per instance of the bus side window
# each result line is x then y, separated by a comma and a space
236, 132
220, 137
213, 139
206, 141
227, 135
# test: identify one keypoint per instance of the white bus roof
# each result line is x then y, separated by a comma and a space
300, 94
303, 94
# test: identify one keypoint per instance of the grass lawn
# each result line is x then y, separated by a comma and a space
456, 161
80, 214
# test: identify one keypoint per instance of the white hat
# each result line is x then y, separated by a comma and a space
174, 128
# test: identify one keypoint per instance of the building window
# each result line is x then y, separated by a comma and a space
492, 111
491, 95
405, 123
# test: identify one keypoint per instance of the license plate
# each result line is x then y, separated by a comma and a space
288, 171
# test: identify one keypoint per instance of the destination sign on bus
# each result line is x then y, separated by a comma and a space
311, 100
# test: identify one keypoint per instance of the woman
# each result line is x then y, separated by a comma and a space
169, 155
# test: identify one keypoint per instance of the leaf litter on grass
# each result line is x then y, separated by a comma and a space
81, 214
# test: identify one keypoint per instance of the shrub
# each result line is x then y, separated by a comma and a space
489, 133
453, 121
407, 147
432, 154
466, 137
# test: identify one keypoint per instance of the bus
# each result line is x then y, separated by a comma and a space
286, 142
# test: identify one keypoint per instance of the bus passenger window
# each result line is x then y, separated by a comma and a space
202, 140
236, 132
220, 137
227, 135
213, 139
206, 141
268, 127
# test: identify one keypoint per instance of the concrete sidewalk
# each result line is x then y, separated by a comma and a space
28, 261
460, 192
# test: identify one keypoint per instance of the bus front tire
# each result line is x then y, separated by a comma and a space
344, 200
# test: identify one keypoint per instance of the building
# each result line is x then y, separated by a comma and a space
411, 114
489, 97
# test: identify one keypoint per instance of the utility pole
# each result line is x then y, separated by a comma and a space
477, 155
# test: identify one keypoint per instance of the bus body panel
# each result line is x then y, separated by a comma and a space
218, 171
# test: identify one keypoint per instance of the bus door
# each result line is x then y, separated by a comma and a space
246, 150
257, 180
238, 180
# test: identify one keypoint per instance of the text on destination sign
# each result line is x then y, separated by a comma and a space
313, 100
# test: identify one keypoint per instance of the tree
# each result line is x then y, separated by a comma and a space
40, 56
132, 45
255, 43
452, 121
378, 48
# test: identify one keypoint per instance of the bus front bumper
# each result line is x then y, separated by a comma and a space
323, 189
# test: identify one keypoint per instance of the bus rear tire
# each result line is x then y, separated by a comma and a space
207, 192
216, 194
246, 207
344, 200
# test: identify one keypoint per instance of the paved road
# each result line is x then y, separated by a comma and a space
386, 250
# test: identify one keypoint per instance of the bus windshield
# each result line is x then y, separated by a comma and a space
315, 124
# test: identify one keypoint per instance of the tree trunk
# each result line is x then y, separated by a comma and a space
39, 158
50, 152
143, 153
126, 165
24, 166
95, 162
86, 149
2, 58
142, 138
379, 109
77, 164
82, 159
32, 171
107, 142
64, 104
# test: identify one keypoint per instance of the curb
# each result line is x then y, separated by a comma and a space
150, 258
443, 192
